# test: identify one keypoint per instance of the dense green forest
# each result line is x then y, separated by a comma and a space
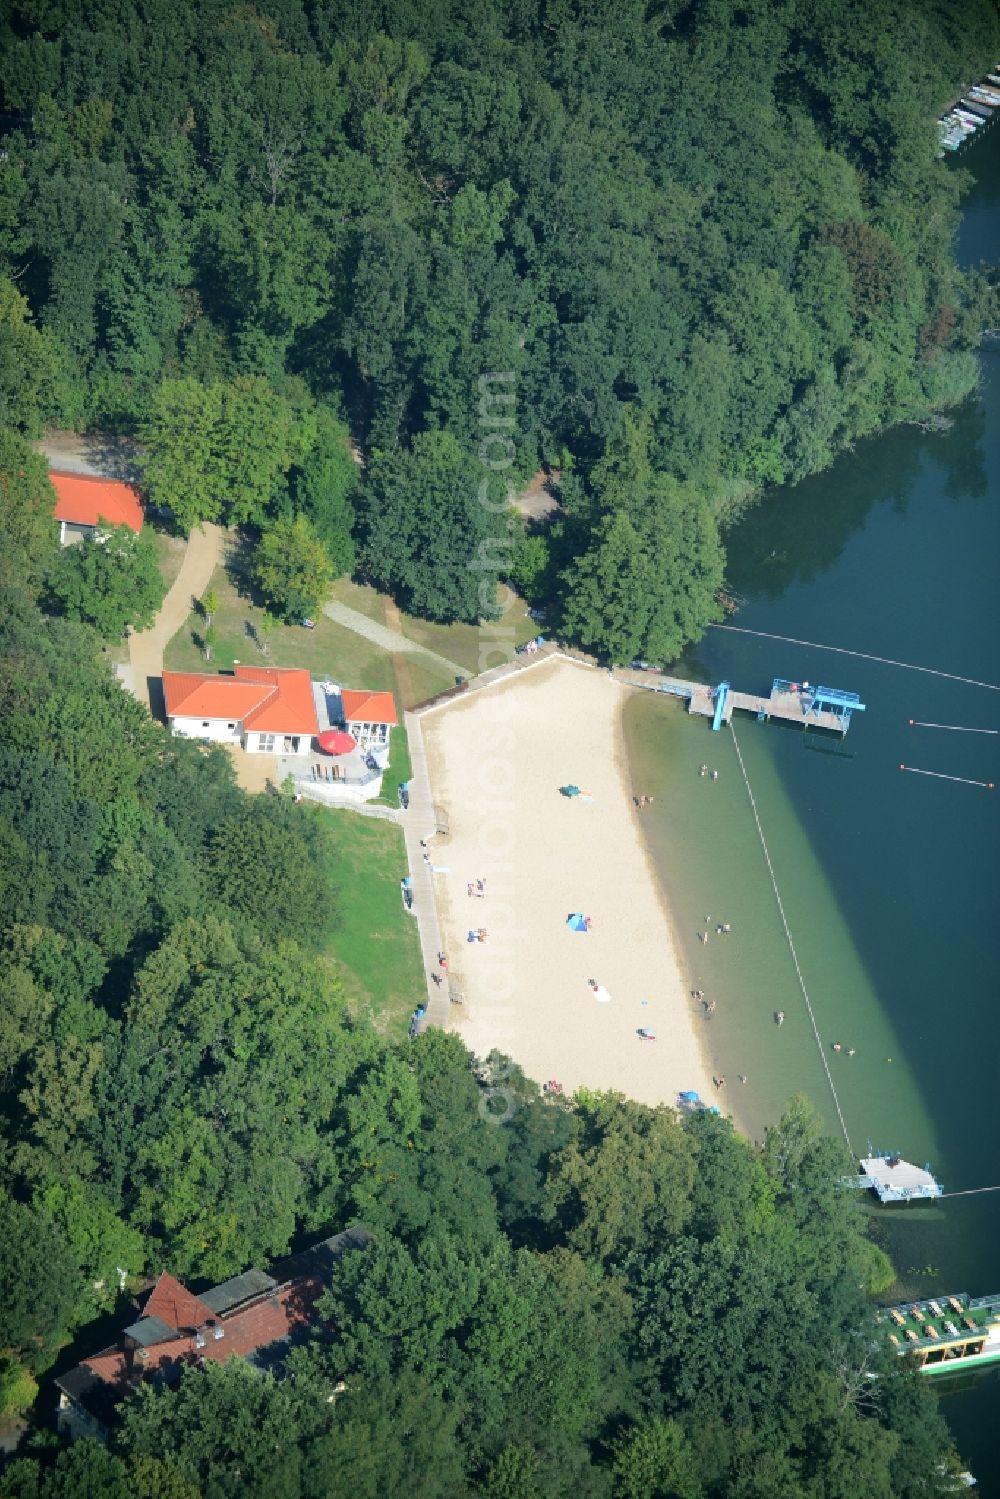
596, 1299
704, 245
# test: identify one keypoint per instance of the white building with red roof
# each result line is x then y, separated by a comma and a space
267, 709
369, 716
83, 503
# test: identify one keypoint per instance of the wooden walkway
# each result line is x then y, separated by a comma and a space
791, 707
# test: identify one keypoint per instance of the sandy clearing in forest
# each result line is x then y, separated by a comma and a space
497, 759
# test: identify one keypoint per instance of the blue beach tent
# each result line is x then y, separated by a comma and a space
577, 922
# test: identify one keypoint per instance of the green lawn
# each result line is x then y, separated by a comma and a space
399, 769
327, 651
332, 651
373, 941
463, 644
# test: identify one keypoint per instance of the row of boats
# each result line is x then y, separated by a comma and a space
971, 113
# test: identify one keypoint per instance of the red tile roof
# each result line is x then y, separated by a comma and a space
84, 501
369, 707
195, 694
266, 1319
289, 708
272, 700
256, 1311
175, 1304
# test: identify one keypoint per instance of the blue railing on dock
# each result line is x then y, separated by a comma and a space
721, 694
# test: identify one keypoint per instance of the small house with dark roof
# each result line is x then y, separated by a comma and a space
85, 503
256, 1316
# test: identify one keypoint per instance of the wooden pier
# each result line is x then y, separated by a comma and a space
792, 702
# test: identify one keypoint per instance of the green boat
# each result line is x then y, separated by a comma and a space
945, 1334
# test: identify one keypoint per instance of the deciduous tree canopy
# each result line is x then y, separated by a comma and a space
232, 229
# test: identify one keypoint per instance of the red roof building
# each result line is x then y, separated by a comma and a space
83, 502
256, 1316
270, 710
369, 716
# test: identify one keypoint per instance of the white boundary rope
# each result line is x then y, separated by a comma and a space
791, 944
862, 655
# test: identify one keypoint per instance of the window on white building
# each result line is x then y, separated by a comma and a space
267, 743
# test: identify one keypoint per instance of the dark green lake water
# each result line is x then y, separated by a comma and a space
889, 879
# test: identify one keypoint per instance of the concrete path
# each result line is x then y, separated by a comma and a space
203, 555
389, 640
417, 822
101, 454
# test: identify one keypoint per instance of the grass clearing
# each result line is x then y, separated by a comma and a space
461, 643
399, 769
372, 941
328, 651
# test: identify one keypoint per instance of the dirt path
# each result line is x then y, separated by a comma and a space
203, 555
388, 640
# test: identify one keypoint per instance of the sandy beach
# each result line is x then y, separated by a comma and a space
497, 759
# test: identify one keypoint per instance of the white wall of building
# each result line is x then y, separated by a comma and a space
368, 734
278, 744
217, 730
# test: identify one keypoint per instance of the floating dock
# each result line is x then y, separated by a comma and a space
792, 702
946, 1334
894, 1180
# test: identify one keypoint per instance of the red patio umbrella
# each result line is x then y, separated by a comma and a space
336, 742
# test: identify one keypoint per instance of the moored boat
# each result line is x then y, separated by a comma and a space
947, 1334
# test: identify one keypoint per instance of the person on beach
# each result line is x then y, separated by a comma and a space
481, 886
709, 1006
779, 1017
442, 960
836, 1046
697, 994
704, 937
743, 1077
715, 775
720, 1081
851, 1052
703, 770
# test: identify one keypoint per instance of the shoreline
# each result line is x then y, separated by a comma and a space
496, 761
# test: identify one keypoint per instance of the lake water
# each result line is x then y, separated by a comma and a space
889, 879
